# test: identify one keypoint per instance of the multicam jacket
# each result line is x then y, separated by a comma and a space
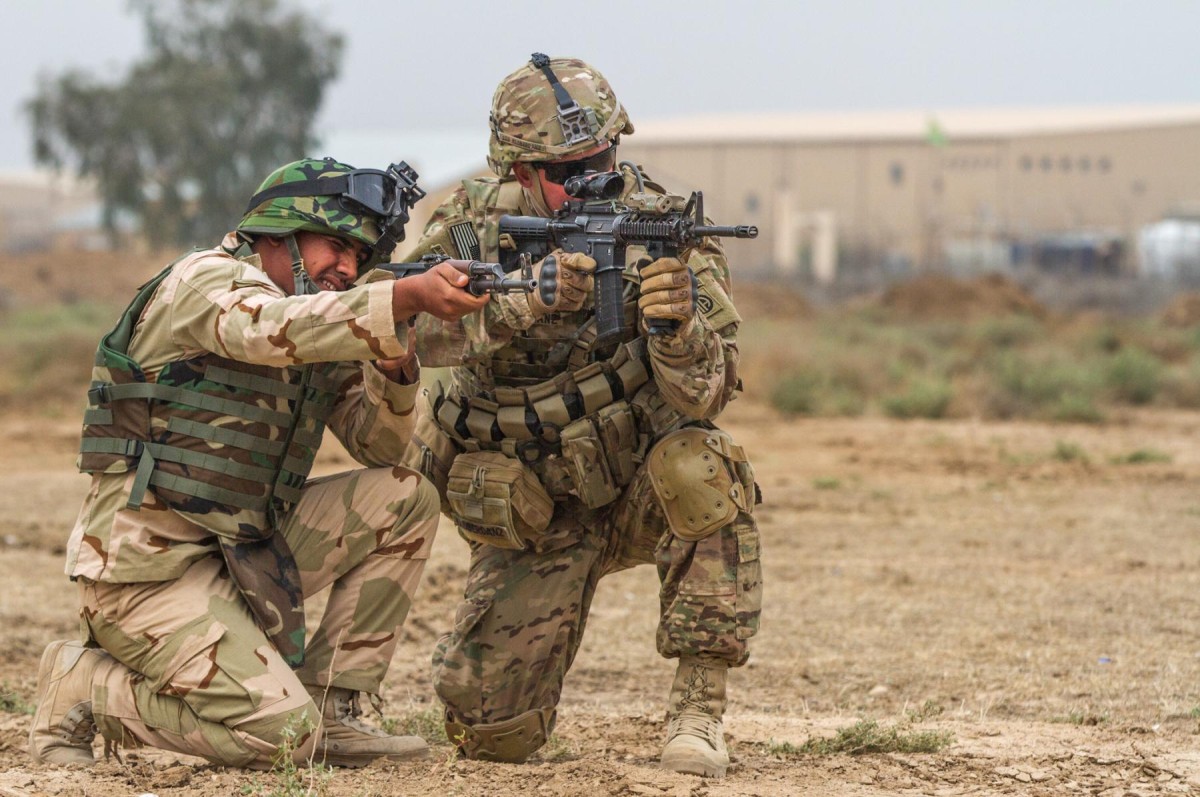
695, 371
214, 308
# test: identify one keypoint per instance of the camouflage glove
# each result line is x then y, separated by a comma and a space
668, 292
564, 281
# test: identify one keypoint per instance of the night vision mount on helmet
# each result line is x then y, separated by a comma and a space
532, 122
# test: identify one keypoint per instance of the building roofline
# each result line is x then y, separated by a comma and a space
909, 125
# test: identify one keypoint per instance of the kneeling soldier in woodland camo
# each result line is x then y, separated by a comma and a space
563, 460
201, 535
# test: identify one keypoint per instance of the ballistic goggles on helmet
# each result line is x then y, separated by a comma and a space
388, 195
561, 171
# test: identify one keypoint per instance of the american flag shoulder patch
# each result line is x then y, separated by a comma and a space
465, 240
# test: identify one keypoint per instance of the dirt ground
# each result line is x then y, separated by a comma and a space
1012, 584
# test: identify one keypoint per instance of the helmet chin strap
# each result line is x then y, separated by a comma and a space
304, 285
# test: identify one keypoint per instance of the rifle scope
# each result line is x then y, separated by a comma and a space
595, 185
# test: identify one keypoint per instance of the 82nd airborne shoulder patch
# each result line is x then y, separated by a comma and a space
713, 303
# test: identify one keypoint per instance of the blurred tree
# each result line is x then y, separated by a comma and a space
227, 92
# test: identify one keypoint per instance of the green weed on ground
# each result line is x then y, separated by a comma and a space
1069, 452
429, 723
924, 398
868, 736
1085, 718
289, 779
781, 749
13, 703
798, 393
1141, 456
558, 749
1134, 376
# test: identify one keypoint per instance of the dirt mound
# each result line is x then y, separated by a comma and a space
1183, 311
770, 300
69, 277
937, 296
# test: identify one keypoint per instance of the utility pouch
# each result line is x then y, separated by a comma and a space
619, 435
583, 450
496, 500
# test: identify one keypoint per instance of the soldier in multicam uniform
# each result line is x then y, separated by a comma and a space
561, 463
200, 535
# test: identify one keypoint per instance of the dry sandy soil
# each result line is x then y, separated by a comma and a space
1039, 608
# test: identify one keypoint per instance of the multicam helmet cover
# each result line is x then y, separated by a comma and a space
366, 205
552, 108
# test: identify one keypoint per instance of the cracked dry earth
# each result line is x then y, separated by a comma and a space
949, 576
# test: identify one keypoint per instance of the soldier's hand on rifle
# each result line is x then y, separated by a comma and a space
667, 291
564, 280
440, 291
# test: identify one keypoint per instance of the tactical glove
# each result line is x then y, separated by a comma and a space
564, 280
668, 292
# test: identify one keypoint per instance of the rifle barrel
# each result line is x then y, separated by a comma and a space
510, 284
727, 231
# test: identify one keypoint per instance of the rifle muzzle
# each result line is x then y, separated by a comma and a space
725, 231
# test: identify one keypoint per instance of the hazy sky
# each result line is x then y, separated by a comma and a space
422, 67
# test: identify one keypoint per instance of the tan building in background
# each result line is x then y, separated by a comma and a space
962, 191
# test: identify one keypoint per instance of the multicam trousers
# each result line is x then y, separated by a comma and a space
522, 618
199, 676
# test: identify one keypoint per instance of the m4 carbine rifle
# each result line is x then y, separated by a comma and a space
482, 277
595, 221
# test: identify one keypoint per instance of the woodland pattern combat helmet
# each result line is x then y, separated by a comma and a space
331, 198
326, 215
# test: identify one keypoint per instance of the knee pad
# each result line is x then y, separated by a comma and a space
511, 741
693, 474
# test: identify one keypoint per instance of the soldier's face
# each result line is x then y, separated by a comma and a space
552, 192
331, 262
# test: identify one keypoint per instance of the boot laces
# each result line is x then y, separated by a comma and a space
347, 705
348, 712
695, 716
695, 696
702, 726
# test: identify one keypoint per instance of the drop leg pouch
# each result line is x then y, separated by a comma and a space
496, 500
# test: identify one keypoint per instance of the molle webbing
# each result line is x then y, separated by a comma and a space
226, 444
273, 463
528, 360
519, 414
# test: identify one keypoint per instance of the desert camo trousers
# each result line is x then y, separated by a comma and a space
523, 614
199, 676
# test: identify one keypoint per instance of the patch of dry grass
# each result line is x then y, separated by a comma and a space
851, 362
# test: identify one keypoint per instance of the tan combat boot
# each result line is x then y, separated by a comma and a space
347, 741
63, 727
695, 739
